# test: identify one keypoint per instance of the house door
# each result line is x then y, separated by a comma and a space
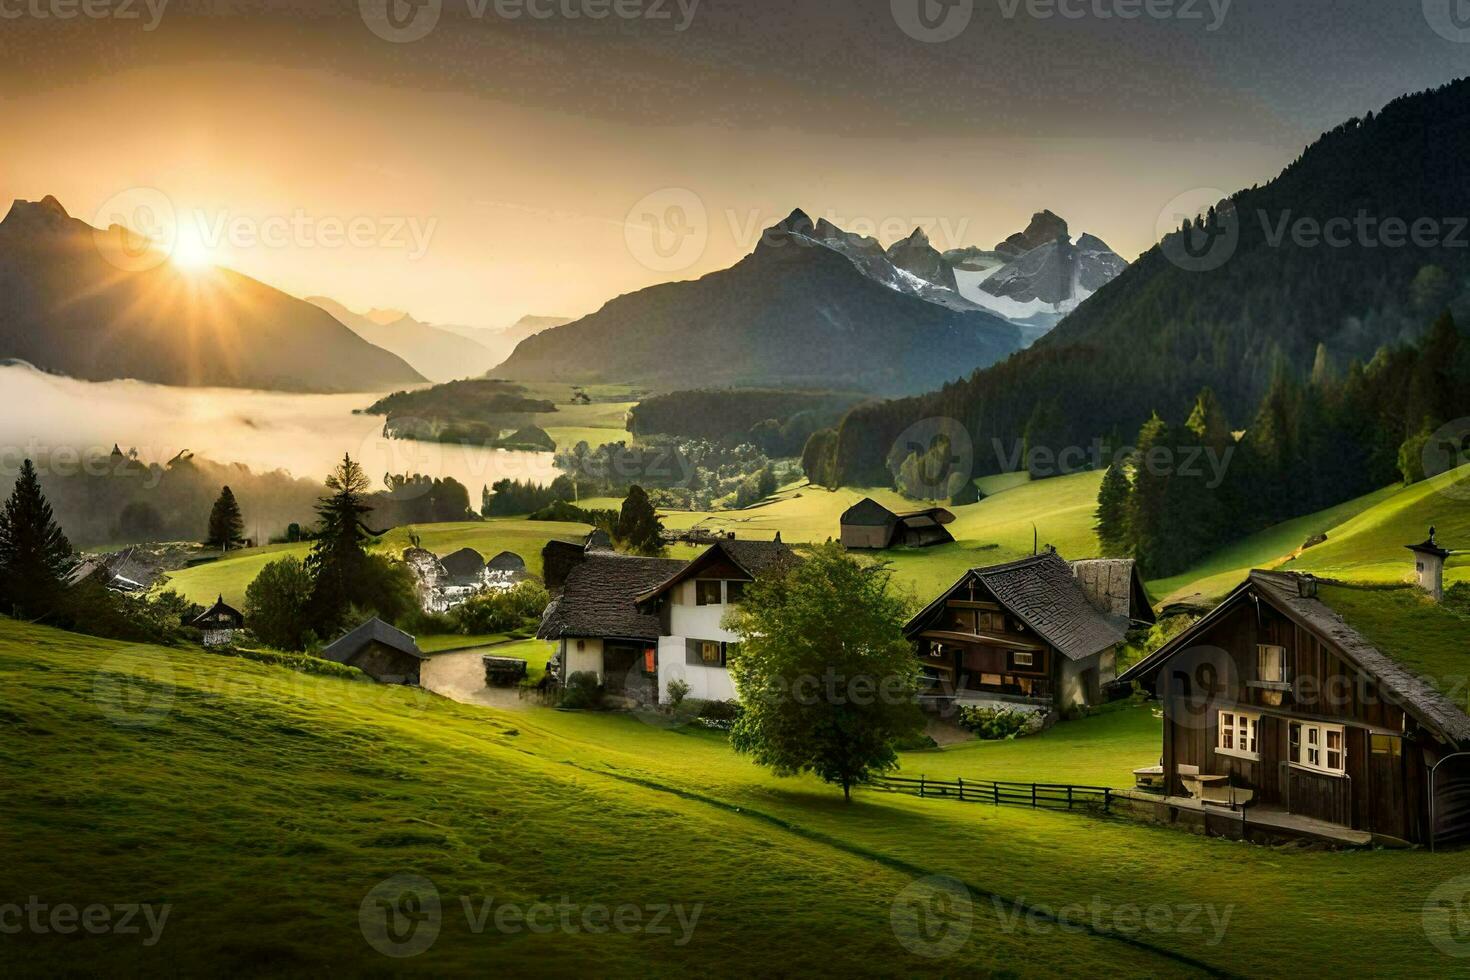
624, 673
1388, 799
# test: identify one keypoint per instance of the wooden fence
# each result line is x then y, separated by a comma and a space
1048, 796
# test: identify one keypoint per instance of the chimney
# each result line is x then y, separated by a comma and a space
1306, 586
1429, 566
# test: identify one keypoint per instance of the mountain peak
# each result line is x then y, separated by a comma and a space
47, 212
796, 222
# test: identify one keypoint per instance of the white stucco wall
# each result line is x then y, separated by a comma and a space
588, 659
688, 621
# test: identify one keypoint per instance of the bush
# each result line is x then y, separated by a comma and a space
915, 743
583, 691
501, 611
720, 715
276, 604
994, 724
677, 690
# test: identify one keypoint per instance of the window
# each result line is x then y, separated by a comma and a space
992, 622
1388, 745
704, 653
1237, 734
707, 592
1271, 663
1023, 658
1321, 748
734, 591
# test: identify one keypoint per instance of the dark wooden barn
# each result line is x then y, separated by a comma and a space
868, 525
386, 654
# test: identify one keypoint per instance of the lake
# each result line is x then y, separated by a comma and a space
306, 435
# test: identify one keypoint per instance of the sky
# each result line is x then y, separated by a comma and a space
472, 161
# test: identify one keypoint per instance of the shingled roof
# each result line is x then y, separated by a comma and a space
1041, 592
753, 557
600, 598
374, 629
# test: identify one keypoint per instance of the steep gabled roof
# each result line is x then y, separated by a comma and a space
1041, 592
220, 609
1284, 593
600, 598
374, 629
752, 557
868, 513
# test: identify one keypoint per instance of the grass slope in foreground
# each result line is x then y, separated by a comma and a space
264, 805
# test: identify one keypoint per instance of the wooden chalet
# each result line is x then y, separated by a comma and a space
218, 623
386, 654
1026, 633
868, 525
1320, 707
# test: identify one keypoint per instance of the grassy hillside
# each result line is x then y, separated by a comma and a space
1365, 541
231, 576
265, 806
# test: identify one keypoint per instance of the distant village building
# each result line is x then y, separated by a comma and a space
386, 654
1037, 633
444, 583
639, 623
1313, 704
121, 571
219, 623
868, 525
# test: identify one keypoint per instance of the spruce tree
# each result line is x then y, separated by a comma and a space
226, 526
639, 528
1112, 511
35, 556
339, 561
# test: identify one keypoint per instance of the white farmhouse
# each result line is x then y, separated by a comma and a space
639, 623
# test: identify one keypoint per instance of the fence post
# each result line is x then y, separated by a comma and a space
1107, 800
1069, 796
962, 788
921, 784
1033, 796
995, 788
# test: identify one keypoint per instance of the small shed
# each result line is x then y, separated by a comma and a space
868, 525
219, 623
386, 654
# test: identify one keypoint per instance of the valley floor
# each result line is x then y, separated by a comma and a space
266, 809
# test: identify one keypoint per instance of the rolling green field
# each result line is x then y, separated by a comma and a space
231, 576
1365, 541
266, 808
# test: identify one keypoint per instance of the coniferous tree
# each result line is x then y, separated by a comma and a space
1112, 511
226, 526
638, 527
35, 556
339, 561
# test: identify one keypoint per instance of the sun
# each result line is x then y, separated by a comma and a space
189, 251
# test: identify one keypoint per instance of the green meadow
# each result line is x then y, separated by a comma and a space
266, 808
